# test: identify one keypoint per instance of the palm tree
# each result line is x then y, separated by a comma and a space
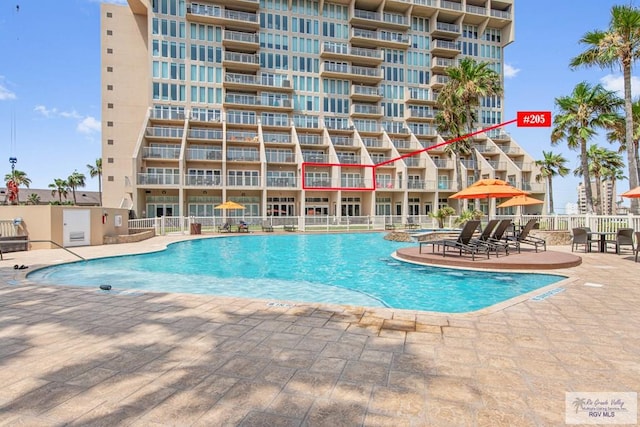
33, 199
601, 162
450, 121
76, 180
618, 46
60, 186
618, 134
551, 165
468, 82
579, 115
19, 178
96, 170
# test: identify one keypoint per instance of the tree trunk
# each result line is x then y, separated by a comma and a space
584, 164
456, 168
631, 151
100, 187
599, 209
476, 171
550, 185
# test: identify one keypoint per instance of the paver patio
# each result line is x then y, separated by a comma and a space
80, 357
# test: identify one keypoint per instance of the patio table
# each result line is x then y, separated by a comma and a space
603, 238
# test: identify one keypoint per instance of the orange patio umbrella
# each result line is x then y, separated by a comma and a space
229, 205
633, 193
523, 200
488, 189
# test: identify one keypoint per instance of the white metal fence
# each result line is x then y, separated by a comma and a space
178, 224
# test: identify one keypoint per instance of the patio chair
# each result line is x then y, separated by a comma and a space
624, 237
463, 243
267, 227
523, 237
485, 238
499, 233
224, 228
580, 236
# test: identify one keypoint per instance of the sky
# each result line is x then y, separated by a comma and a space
50, 82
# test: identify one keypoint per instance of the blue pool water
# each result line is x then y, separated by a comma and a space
353, 269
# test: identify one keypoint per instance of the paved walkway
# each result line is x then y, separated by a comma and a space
81, 357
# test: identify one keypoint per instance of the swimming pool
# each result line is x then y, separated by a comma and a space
351, 268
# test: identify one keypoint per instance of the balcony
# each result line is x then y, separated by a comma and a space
280, 156
358, 55
366, 110
240, 40
420, 184
418, 114
414, 162
424, 7
441, 64
372, 142
496, 165
245, 137
498, 135
242, 155
261, 81
167, 114
445, 4
394, 21
254, 102
447, 186
310, 139
403, 144
396, 128
419, 95
343, 141
282, 182
314, 157
348, 158
158, 179
365, 93
162, 132
207, 134
445, 48
439, 80
170, 152
216, 15
204, 153
375, 39
241, 61
475, 14
446, 29
276, 138
250, 5
202, 181
359, 74
443, 163
205, 115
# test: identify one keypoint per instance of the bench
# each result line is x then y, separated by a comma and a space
290, 228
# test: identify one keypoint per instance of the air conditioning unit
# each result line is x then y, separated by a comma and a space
286, 83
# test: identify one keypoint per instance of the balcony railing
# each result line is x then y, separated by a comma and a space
366, 90
343, 141
205, 134
309, 139
243, 155
171, 153
445, 26
476, 10
315, 157
450, 5
280, 157
202, 181
281, 138
288, 182
446, 44
247, 58
204, 154
238, 136
217, 12
503, 14
372, 142
240, 36
158, 179
171, 113
164, 132
366, 109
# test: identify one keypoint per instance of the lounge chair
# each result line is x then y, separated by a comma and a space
410, 225
580, 236
463, 242
624, 237
523, 237
485, 238
267, 227
224, 228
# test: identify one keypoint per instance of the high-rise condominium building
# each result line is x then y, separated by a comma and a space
285, 105
605, 203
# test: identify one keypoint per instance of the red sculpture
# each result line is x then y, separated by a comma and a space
12, 190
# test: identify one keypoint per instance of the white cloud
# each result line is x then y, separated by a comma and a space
6, 94
86, 124
510, 71
89, 125
616, 83
45, 111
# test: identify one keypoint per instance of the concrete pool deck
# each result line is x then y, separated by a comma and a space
79, 356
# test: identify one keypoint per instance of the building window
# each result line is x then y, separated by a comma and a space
109, 141
109, 50
110, 178
109, 105
109, 87
109, 69
109, 32
109, 15
109, 159
110, 124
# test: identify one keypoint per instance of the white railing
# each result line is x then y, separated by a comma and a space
165, 225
